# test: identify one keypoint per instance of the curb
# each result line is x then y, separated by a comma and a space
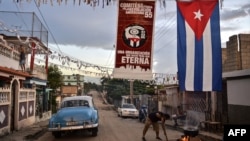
35, 135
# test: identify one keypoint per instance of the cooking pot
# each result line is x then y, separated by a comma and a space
191, 131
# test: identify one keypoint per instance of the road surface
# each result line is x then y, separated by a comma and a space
113, 128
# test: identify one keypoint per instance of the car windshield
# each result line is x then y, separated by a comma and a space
130, 106
75, 103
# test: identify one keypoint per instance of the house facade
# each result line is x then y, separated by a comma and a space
23, 95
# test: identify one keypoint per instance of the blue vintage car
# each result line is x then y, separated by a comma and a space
76, 113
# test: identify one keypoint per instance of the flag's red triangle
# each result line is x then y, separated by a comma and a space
197, 14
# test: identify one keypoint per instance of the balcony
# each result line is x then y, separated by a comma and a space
9, 56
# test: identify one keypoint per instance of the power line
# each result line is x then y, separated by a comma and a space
47, 26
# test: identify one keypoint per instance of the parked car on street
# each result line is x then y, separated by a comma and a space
76, 113
128, 110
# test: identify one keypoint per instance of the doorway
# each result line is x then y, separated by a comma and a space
14, 90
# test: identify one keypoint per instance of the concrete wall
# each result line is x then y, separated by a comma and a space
238, 101
238, 92
244, 42
236, 56
9, 62
238, 114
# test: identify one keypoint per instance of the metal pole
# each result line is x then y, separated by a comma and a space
157, 94
131, 91
157, 98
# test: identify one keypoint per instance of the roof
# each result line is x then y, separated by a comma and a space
37, 81
14, 72
237, 73
89, 98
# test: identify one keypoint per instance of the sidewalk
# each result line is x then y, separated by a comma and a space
28, 133
207, 136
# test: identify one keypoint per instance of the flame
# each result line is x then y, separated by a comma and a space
188, 138
184, 138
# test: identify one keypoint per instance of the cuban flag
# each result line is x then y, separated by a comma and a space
199, 45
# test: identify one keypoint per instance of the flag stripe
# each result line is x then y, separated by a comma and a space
198, 68
190, 37
216, 50
181, 50
207, 64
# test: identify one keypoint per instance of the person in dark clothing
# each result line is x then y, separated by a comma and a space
153, 119
143, 113
22, 58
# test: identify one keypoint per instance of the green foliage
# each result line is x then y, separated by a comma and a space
91, 86
55, 78
116, 88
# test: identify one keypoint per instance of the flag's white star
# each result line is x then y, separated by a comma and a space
198, 15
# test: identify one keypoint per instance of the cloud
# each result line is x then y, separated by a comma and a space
235, 10
228, 14
82, 26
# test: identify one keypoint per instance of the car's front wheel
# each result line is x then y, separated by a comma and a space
94, 131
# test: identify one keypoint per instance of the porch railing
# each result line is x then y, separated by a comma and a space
27, 94
5, 96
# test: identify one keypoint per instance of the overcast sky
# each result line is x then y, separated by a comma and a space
89, 34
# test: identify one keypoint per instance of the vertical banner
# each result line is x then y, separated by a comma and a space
134, 39
199, 45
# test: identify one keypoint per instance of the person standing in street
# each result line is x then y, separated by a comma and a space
22, 58
153, 119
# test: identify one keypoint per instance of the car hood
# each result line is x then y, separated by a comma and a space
75, 113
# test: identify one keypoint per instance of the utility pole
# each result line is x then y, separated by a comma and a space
77, 84
131, 91
157, 94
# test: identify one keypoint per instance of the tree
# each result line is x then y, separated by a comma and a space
116, 88
55, 78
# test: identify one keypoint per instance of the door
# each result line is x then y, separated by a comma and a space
13, 105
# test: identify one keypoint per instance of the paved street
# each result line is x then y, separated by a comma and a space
112, 128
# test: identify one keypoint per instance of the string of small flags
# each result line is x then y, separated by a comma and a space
92, 3
53, 55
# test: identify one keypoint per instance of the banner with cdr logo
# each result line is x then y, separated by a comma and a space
134, 44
